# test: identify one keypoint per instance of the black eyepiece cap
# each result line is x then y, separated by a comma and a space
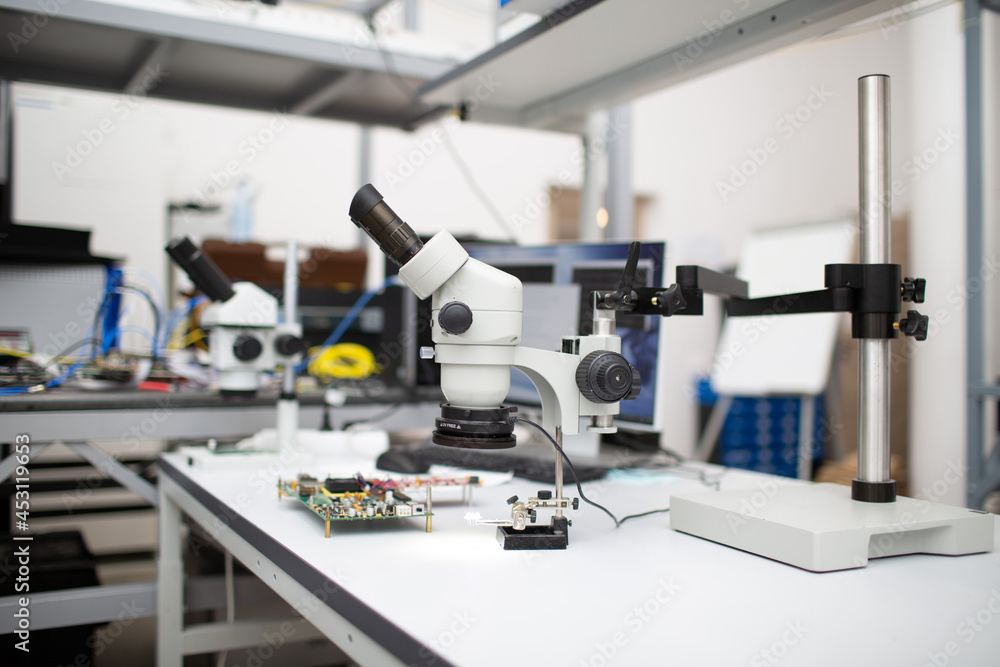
364, 201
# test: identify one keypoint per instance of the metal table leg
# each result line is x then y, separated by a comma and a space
169, 585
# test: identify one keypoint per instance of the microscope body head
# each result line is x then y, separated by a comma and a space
476, 319
244, 335
475, 306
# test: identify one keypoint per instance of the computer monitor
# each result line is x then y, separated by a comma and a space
559, 281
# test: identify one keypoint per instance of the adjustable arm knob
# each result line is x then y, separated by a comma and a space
625, 297
914, 324
670, 300
913, 289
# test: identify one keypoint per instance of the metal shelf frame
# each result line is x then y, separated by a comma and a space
656, 45
108, 47
983, 475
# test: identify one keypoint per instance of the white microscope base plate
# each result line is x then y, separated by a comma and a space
819, 527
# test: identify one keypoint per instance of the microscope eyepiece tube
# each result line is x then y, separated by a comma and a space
202, 271
394, 237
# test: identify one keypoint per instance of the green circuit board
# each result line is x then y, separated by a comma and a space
360, 499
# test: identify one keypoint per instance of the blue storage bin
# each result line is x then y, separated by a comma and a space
762, 434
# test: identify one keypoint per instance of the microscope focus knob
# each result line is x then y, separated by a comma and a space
455, 317
247, 348
604, 377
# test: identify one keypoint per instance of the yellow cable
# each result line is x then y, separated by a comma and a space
342, 361
192, 337
191, 318
11, 352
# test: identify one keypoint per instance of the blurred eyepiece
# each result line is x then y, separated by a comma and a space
202, 271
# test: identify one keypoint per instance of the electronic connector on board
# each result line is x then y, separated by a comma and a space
359, 499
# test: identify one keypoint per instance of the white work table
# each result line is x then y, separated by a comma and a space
391, 594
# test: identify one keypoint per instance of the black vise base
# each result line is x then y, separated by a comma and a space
535, 538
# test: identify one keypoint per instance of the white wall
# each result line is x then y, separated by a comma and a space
937, 248
305, 169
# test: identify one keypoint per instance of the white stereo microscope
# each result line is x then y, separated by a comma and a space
476, 315
245, 335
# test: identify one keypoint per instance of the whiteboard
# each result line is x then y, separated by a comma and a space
783, 354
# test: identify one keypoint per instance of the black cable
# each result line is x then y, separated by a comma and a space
636, 516
579, 488
463, 167
326, 424
390, 68
572, 470
377, 418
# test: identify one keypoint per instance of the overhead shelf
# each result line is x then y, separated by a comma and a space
213, 57
594, 54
